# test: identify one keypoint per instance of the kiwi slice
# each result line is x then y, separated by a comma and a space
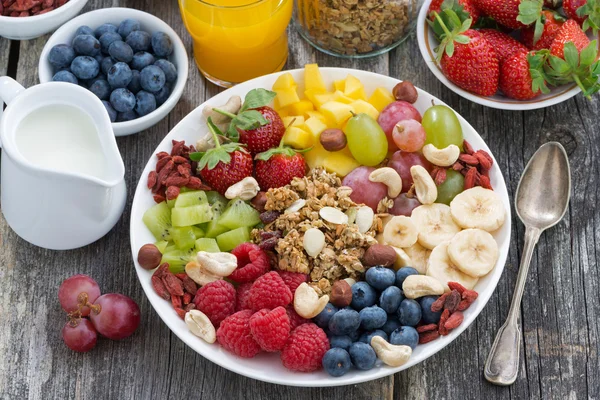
192, 215
177, 259
208, 245
216, 197
213, 228
198, 232
171, 247
183, 237
158, 220
239, 214
230, 240
161, 245
195, 198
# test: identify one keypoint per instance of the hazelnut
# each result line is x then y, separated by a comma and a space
341, 294
149, 256
333, 139
405, 91
379, 254
259, 201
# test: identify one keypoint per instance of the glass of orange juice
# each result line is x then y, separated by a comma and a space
237, 40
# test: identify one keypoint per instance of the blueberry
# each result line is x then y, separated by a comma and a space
380, 277
99, 58
402, 273
372, 318
322, 320
409, 312
85, 67
405, 335
141, 60
126, 116
391, 325
61, 56
362, 356
344, 322
107, 39
429, 317
367, 336
104, 28
112, 114
390, 299
145, 104
120, 51
106, 64
134, 86
127, 26
99, 77
342, 341
139, 41
336, 362
168, 68
101, 89
65, 76
86, 45
161, 44
152, 78
122, 100
120, 75
162, 95
354, 335
84, 30
363, 295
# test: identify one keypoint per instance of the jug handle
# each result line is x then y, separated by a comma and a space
9, 89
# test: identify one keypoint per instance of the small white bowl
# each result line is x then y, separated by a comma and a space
427, 44
25, 28
150, 24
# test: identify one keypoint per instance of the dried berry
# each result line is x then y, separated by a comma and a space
441, 327
467, 147
454, 320
269, 216
152, 178
427, 328
427, 337
468, 159
159, 288
180, 312
176, 301
173, 284
456, 286
438, 305
452, 301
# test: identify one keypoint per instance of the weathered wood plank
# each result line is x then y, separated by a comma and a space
4, 55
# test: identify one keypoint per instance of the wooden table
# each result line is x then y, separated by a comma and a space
560, 312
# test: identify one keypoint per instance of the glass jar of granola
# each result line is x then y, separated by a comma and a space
356, 28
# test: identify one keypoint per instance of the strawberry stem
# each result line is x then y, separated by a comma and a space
225, 113
442, 24
214, 135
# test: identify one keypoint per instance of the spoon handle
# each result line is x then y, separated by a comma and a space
502, 365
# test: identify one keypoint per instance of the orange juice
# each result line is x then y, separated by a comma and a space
237, 40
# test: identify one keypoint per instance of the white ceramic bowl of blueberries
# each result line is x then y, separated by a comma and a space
133, 61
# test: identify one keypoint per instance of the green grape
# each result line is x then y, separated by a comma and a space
453, 185
442, 127
366, 140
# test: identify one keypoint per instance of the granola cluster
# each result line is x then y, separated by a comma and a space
345, 245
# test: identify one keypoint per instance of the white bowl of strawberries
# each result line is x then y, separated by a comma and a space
510, 65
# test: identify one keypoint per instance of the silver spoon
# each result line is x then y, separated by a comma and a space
541, 201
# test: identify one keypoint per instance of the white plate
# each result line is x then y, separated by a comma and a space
268, 367
427, 44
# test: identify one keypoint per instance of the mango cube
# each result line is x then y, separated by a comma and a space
318, 98
285, 81
361, 106
354, 88
301, 107
339, 85
340, 163
314, 126
313, 80
316, 156
297, 138
336, 113
342, 98
317, 115
381, 98
293, 120
286, 97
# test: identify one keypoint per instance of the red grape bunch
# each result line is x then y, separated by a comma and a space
112, 315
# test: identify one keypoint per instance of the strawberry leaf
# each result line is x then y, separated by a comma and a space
589, 54
450, 36
250, 119
257, 98
536, 70
449, 20
591, 9
197, 156
571, 55
462, 39
538, 31
530, 11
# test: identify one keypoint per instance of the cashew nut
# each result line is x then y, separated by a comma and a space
246, 189
425, 187
389, 177
217, 264
199, 324
307, 302
390, 354
364, 219
233, 106
416, 286
313, 242
207, 142
441, 157
199, 275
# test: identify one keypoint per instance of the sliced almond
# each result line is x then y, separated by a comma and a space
295, 206
364, 219
333, 215
313, 242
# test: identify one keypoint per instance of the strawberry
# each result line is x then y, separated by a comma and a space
552, 24
514, 14
569, 32
521, 77
575, 64
266, 136
570, 8
504, 44
467, 5
224, 165
278, 166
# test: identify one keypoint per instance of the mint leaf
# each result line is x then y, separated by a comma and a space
250, 119
257, 98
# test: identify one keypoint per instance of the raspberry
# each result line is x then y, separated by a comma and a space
293, 279
269, 291
270, 329
234, 335
295, 319
252, 263
216, 300
243, 291
305, 348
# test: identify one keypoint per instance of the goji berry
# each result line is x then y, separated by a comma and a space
470, 179
468, 159
176, 301
454, 320
437, 305
467, 147
179, 160
458, 166
463, 305
177, 148
485, 160
456, 286
441, 327
164, 172
190, 306
173, 284
152, 178
189, 285
178, 181
485, 183
181, 312
194, 183
427, 337
187, 298
172, 192
427, 328
162, 155
159, 198
181, 275
470, 295
440, 176
184, 171
160, 164
161, 270
159, 287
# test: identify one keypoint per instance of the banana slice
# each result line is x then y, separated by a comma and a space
435, 224
402, 259
478, 208
400, 231
419, 256
473, 251
441, 267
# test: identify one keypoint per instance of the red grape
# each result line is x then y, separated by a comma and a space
409, 135
363, 190
404, 205
118, 318
81, 337
72, 287
394, 113
401, 161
